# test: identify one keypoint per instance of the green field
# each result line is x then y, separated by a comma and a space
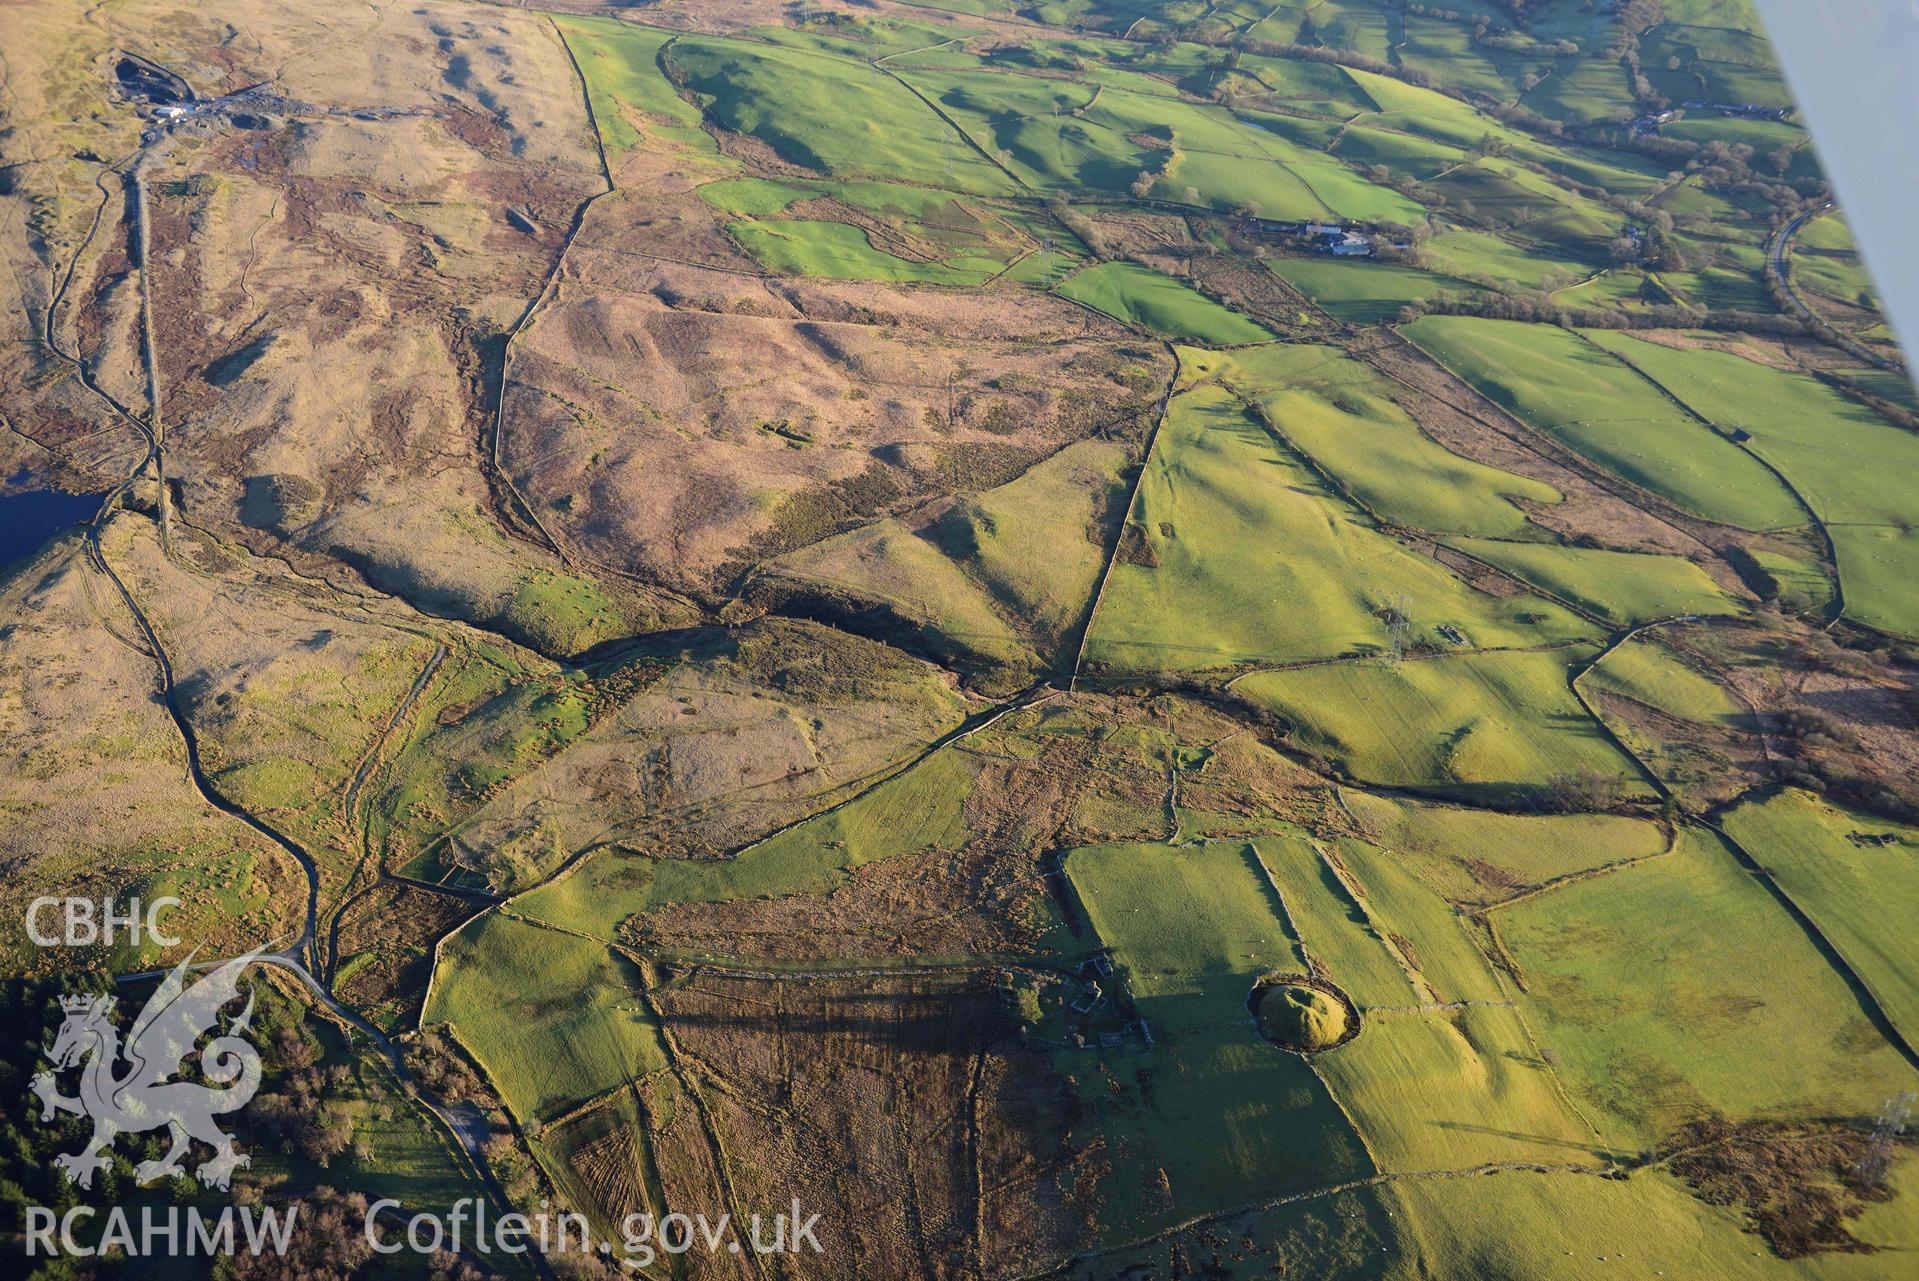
1725, 64
1641, 670
1345, 944
1194, 926
1344, 417
1447, 52
1229, 1118
1058, 135
1235, 538
1487, 726
1565, 386
1496, 176
1846, 460
804, 247
1689, 756
1851, 466
830, 114
1691, 197
970, 572
1052, 506
911, 576
1313, 88
1433, 940
1428, 1088
1519, 1226
1613, 287
553, 1018
1732, 279
1588, 89
621, 64
1837, 275
561, 613
1621, 587
764, 197
1680, 987
1861, 895
1573, 227
1436, 1091
513, 717
915, 234
1362, 292
1886, 383
1161, 304
1477, 856
1426, 111
1505, 175
862, 37
1483, 258
1761, 135
1876, 564
1803, 584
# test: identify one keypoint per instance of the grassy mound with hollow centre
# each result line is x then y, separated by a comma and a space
1301, 1018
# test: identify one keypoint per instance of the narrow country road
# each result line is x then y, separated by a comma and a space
467, 1127
1782, 245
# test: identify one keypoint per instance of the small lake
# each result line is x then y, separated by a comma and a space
30, 519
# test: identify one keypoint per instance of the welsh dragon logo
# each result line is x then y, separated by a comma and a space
140, 1097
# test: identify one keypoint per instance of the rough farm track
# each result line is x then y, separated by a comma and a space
680, 523
302, 952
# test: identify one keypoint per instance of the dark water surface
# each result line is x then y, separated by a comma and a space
29, 520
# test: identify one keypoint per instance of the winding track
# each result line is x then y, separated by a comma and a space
295, 959
1778, 250
1125, 516
468, 1130
351, 803
148, 432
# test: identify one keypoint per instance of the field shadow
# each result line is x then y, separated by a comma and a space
1543, 1140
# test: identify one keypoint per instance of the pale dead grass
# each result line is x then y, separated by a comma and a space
275, 689
709, 757
93, 780
643, 419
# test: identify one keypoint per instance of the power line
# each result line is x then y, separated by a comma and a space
1872, 1167
1399, 626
